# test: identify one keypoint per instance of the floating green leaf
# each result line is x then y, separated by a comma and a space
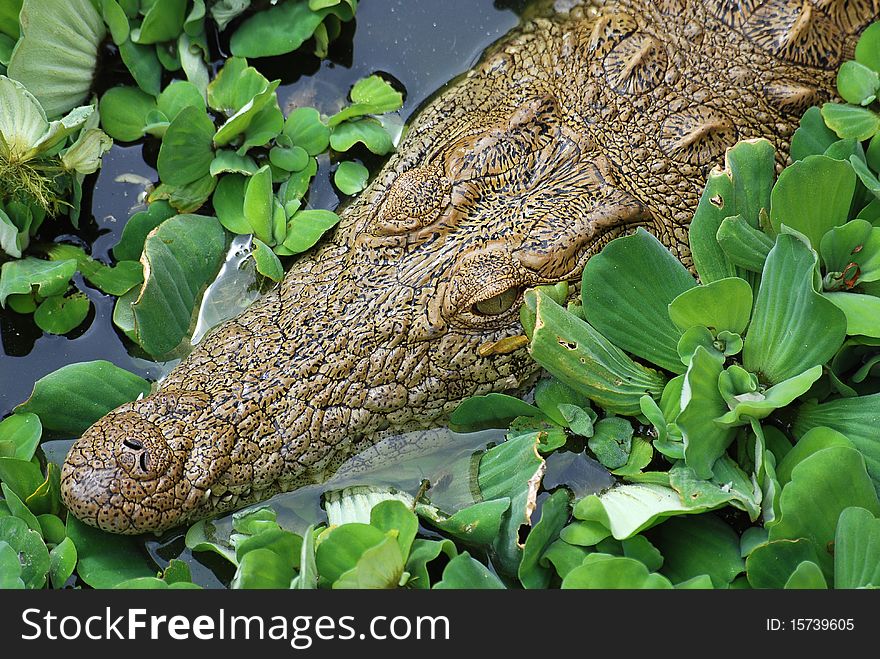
20, 435
10, 568
178, 95
276, 31
229, 203
771, 564
187, 149
799, 203
586, 361
367, 131
229, 161
306, 227
62, 562
806, 576
868, 48
262, 568
104, 559
291, 159
857, 550
56, 55
268, 264
21, 476
813, 137
342, 547
124, 112
32, 554
163, 21
857, 241
139, 225
554, 514
181, 257
862, 312
724, 304
463, 571
285, 544
821, 487
757, 405
603, 571
611, 441
370, 95
305, 128
143, 64
45, 278
251, 114
629, 509
512, 469
351, 177
697, 545
704, 440
742, 189
424, 552
395, 516
478, 524
60, 314
793, 328
627, 288
380, 566
490, 411
73, 397
857, 83
259, 205
856, 418
850, 121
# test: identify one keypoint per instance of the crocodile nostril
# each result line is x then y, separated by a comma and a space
145, 461
133, 444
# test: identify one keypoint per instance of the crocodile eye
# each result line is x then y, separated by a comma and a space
497, 304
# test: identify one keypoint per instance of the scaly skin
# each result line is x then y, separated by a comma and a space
570, 132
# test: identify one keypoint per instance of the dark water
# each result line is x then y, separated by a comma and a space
420, 43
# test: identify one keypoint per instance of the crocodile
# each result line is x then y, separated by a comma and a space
570, 131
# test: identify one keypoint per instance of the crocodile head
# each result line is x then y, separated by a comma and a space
566, 135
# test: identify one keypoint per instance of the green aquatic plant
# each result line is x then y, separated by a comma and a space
41, 174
